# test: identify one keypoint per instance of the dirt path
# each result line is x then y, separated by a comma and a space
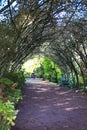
49, 107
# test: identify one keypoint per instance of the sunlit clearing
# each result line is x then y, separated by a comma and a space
72, 108
31, 64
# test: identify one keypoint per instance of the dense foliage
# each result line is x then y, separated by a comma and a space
10, 94
16, 77
60, 74
7, 115
49, 70
25, 25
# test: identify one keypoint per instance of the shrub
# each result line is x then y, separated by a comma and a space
15, 96
8, 83
11, 91
9, 96
17, 77
66, 82
7, 115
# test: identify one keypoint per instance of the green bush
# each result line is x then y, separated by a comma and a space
16, 77
49, 70
7, 115
39, 72
7, 109
15, 96
8, 83
80, 81
66, 82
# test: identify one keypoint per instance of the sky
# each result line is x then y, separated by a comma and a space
2, 4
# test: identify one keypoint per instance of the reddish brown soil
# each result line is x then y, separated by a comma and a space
49, 107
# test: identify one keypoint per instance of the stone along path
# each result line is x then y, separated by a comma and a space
50, 107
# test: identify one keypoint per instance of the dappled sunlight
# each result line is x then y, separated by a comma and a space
31, 64
65, 92
43, 90
57, 88
43, 95
72, 108
44, 108
68, 99
44, 104
38, 97
61, 104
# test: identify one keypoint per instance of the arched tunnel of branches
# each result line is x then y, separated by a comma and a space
54, 28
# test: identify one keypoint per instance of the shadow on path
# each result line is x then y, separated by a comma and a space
50, 107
